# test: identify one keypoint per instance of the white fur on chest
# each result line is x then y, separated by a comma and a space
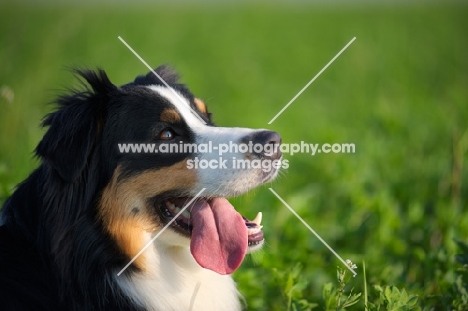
176, 282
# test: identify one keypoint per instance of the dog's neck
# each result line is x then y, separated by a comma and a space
176, 282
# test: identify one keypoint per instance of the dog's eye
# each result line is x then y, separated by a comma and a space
166, 134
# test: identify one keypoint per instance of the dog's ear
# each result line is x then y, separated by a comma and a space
164, 71
74, 127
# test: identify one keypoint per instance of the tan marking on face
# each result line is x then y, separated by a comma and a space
169, 115
200, 105
121, 199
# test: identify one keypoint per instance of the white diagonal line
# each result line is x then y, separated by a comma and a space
160, 232
310, 82
159, 77
313, 231
194, 296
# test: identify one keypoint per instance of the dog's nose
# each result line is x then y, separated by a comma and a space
265, 144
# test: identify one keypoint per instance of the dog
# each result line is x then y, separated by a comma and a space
94, 227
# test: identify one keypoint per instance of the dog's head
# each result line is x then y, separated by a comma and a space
158, 152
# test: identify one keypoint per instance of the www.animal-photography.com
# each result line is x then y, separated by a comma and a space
233, 155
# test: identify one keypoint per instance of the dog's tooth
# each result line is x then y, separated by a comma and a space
258, 219
186, 214
170, 205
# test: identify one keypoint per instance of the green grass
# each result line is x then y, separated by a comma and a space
399, 93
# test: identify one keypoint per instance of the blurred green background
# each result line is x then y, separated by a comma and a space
399, 93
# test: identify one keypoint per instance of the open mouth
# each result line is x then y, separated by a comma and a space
219, 236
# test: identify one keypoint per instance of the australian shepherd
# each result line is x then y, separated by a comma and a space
95, 227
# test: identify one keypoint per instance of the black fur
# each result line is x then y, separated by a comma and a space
54, 252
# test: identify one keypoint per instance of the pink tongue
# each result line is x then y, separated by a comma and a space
219, 236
